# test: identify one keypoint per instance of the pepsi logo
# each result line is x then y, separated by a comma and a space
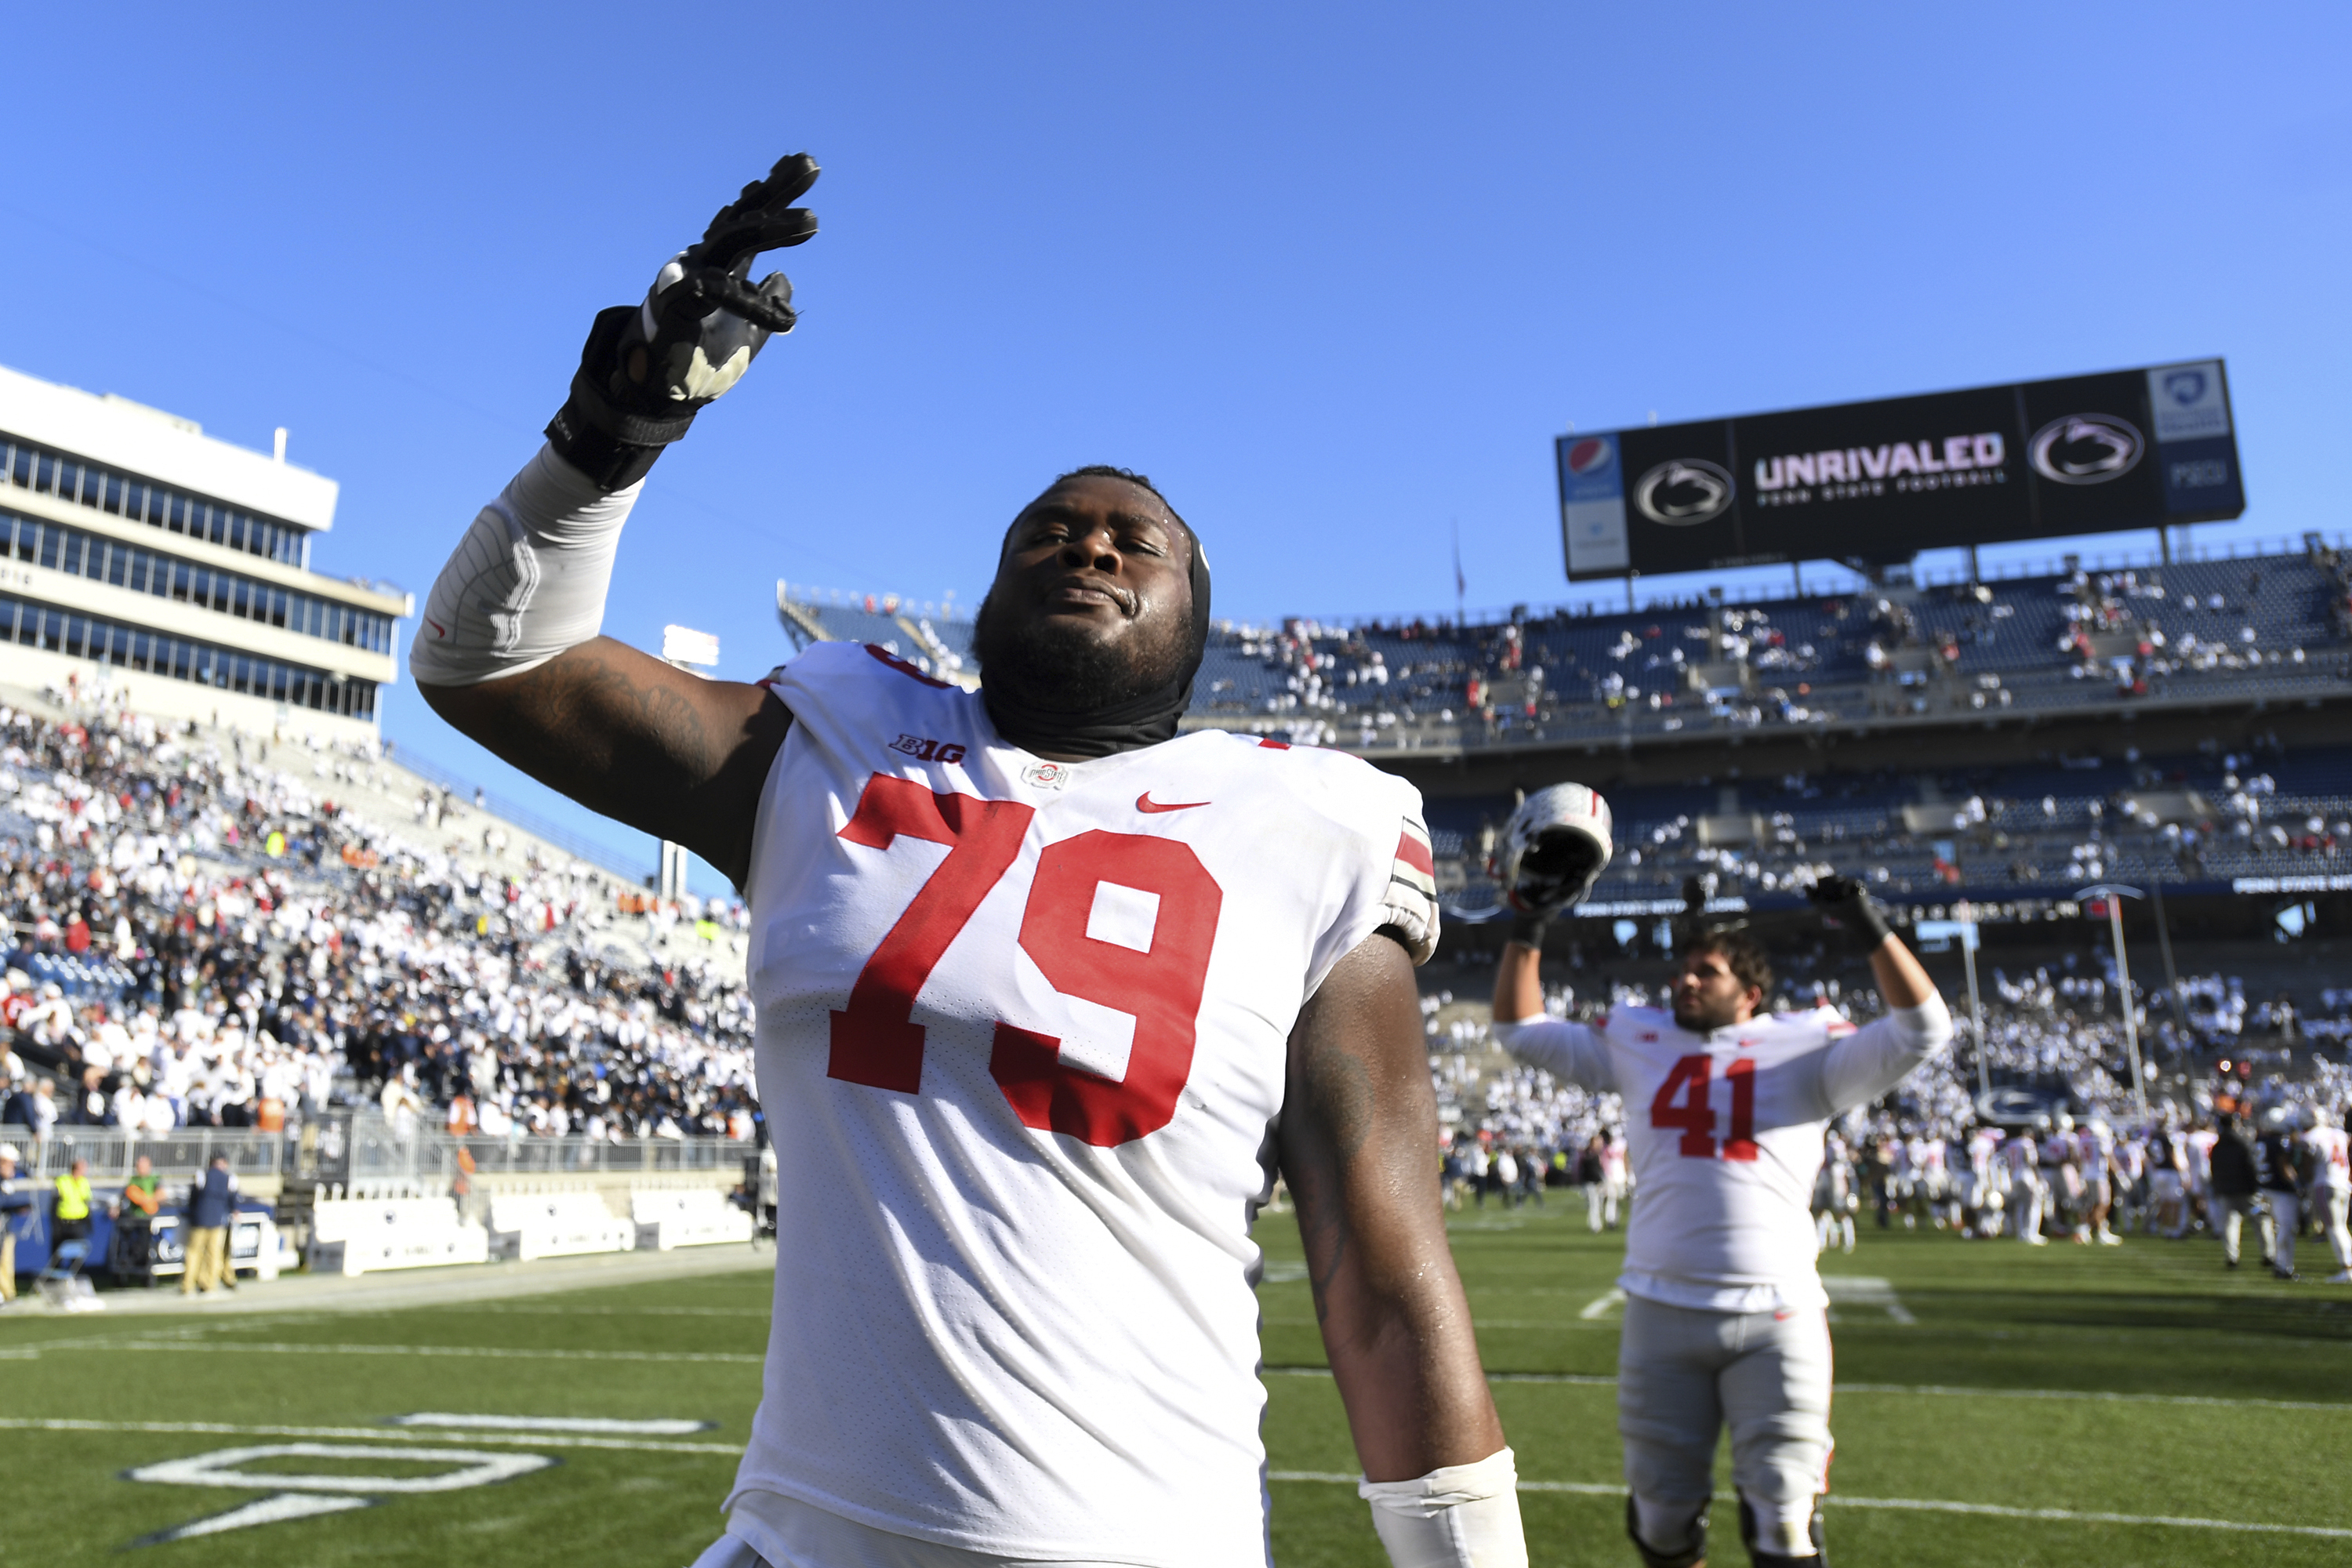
1588, 457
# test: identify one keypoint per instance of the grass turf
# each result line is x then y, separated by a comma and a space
2138, 1381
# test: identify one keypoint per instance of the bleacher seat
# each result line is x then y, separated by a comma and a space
560, 1224
669, 1217
364, 1236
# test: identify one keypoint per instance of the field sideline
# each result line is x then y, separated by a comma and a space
2133, 1405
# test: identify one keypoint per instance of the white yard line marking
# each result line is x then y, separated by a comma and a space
222, 1469
1594, 1380
1861, 1291
483, 1352
1599, 1306
599, 1424
761, 1313
1915, 1505
274, 1509
378, 1433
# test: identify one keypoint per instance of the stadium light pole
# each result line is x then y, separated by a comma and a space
2114, 893
693, 652
1965, 915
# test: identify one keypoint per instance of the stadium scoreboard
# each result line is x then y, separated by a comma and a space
1881, 481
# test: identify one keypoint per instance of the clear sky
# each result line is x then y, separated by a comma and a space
1333, 275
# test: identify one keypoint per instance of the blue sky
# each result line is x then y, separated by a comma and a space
1333, 275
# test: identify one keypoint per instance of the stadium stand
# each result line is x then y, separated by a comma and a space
220, 938
928, 637
2273, 625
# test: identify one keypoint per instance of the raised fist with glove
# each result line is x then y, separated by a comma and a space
1553, 849
648, 369
1847, 903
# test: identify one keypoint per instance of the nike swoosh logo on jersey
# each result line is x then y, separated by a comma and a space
1145, 803
439, 630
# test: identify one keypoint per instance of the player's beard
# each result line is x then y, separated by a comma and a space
1705, 1019
1060, 666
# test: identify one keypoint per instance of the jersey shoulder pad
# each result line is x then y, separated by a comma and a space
1381, 811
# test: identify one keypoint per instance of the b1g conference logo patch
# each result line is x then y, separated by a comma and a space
923, 748
1683, 491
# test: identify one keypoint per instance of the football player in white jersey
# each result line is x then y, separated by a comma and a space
1047, 995
2331, 1184
1726, 1319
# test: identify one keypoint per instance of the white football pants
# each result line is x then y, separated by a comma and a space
2025, 1198
1683, 1374
2333, 1204
2229, 1217
2286, 1215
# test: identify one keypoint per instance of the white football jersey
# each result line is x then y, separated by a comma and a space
1023, 1031
2331, 1158
1726, 1131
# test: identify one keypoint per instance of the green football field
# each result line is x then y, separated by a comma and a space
2065, 1406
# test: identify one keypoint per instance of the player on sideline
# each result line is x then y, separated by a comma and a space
1725, 1320
1046, 995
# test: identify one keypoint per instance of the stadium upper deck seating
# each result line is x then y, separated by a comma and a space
1994, 833
2269, 626
926, 636
2272, 625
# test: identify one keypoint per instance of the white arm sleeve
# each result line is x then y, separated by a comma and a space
1881, 1053
528, 581
1573, 1053
1461, 1516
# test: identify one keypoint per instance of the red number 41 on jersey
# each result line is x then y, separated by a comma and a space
1683, 1105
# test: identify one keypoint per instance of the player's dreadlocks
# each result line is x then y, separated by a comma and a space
1741, 953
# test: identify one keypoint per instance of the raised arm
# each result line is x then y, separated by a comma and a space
509, 649
640, 740
1882, 1053
1358, 1145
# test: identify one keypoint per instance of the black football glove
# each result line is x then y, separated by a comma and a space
646, 369
1848, 903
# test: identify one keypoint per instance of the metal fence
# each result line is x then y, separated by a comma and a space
365, 1147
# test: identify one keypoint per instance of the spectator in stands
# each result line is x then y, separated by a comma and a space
212, 1207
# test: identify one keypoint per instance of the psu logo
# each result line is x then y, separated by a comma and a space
923, 748
1683, 491
2087, 449
1588, 457
2185, 387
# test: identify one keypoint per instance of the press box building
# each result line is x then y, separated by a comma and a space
140, 556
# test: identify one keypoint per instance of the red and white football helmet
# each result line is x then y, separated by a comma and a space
1555, 846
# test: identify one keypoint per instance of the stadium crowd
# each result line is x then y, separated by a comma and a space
203, 940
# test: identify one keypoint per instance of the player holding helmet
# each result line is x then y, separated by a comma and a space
1046, 991
1725, 1315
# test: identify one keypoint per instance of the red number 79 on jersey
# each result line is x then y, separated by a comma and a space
875, 1040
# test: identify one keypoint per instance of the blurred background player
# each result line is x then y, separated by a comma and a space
2331, 1186
2278, 1167
2232, 1186
1834, 1200
1725, 1320
2027, 1194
